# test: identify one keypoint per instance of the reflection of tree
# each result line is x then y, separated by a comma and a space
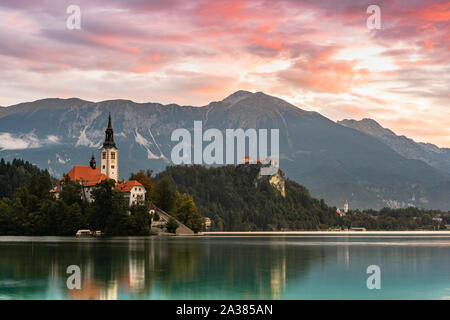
172, 267
249, 268
107, 266
41, 265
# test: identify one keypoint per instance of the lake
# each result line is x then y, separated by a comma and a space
227, 267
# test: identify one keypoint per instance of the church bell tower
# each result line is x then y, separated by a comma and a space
109, 154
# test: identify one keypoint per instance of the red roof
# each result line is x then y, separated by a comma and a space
258, 160
56, 189
89, 176
126, 186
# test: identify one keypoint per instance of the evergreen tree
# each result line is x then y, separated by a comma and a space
171, 225
187, 212
109, 209
163, 196
71, 191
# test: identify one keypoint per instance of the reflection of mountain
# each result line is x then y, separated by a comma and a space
333, 161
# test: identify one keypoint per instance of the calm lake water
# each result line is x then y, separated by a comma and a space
291, 267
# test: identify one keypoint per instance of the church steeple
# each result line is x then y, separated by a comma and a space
109, 135
109, 154
93, 163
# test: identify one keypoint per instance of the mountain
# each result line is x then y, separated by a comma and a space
427, 152
334, 162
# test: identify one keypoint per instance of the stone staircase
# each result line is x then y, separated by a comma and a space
182, 230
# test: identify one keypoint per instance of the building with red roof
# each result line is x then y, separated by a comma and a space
133, 190
90, 176
87, 175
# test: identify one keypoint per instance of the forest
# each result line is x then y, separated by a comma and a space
28, 208
235, 198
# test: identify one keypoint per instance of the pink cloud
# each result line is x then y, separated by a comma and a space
203, 49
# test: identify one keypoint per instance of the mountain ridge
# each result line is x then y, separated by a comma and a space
314, 150
407, 147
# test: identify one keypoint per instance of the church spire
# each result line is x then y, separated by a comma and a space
93, 163
109, 135
109, 122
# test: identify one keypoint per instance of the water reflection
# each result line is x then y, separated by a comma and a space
209, 268
149, 268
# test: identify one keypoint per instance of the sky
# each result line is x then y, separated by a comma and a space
318, 55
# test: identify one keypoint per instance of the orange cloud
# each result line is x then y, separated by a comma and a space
328, 75
212, 12
283, 46
430, 44
435, 12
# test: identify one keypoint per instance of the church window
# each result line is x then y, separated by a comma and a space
103, 166
104, 155
113, 155
112, 167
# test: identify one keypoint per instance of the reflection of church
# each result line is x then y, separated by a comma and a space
90, 176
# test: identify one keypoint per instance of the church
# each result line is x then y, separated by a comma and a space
90, 176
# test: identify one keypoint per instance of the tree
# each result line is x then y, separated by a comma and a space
140, 220
71, 191
109, 211
171, 225
217, 223
426, 220
73, 221
6, 218
187, 212
40, 186
163, 196
18, 173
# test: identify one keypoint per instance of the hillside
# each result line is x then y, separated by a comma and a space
237, 198
19, 173
334, 162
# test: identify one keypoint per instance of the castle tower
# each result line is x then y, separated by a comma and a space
109, 154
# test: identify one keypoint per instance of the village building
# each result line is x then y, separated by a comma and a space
134, 191
90, 176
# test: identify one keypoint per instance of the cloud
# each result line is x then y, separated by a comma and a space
9, 141
318, 54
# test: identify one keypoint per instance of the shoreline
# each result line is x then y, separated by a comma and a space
231, 234
300, 233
